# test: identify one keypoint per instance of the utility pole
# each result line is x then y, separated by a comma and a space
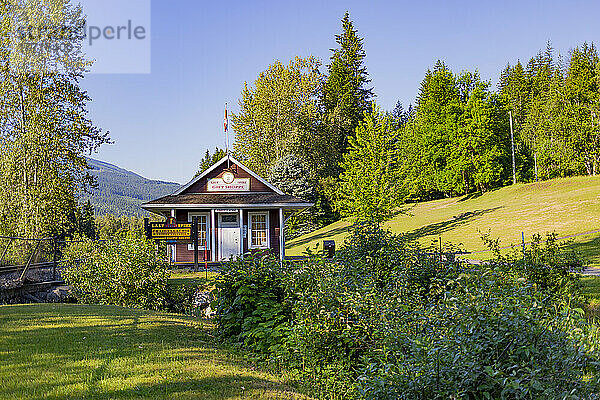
512, 140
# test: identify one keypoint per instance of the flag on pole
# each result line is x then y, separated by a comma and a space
225, 121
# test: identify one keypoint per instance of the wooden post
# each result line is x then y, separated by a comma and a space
195, 239
281, 236
147, 228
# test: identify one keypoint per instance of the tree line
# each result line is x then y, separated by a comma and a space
364, 162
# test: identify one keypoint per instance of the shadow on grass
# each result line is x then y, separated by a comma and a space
590, 250
59, 351
225, 387
440, 227
470, 196
319, 236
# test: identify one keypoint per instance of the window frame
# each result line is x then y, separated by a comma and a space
190, 246
268, 229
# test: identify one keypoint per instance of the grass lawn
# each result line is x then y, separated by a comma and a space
566, 206
52, 351
591, 288
190, 278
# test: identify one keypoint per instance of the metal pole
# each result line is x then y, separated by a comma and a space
535, 163
206, 259
5, 251
195, 239
512, 140
29, 262
523, 241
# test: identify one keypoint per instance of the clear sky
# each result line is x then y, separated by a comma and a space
204, 51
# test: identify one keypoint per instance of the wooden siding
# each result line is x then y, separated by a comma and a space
201, 185
183, 255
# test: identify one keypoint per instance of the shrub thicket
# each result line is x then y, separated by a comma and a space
126, 271
253, 307
385, 321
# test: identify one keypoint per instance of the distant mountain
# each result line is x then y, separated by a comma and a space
121, 192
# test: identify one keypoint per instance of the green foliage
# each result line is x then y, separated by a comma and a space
489, 336
111, 227
86, 225
290, 175
44, 127
370, 186
210, 159
556, 110
253, 308
180, 299
553, 267
458, 142
127, 271
384, 320
277, 116
345, 96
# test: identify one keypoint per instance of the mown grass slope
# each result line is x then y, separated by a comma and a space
102, 352
567, 206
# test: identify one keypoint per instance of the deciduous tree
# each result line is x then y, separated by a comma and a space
279, 116
370, 186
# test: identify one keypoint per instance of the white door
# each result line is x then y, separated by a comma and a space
229, 236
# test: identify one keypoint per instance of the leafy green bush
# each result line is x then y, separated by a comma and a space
490, 336
253, 308
384, 320
553, 267
343, 308
127, 271
180, 299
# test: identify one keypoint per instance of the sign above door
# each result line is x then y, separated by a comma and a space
237, 185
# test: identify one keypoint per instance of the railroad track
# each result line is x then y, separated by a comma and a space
9, 269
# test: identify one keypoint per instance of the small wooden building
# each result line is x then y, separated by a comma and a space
237, 211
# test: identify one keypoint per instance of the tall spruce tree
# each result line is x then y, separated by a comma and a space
209, 159
346, 95
457, 141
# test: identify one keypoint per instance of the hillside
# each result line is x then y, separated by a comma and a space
567, 206
121, 192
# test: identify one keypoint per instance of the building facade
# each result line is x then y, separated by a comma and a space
238, 212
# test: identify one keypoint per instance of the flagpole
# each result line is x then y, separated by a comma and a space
226, 127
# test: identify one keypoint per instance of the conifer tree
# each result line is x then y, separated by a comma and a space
209, 159
346, 95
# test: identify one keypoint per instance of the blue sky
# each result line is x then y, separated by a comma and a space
204, 51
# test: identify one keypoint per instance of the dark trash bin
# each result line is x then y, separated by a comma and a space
329, 248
